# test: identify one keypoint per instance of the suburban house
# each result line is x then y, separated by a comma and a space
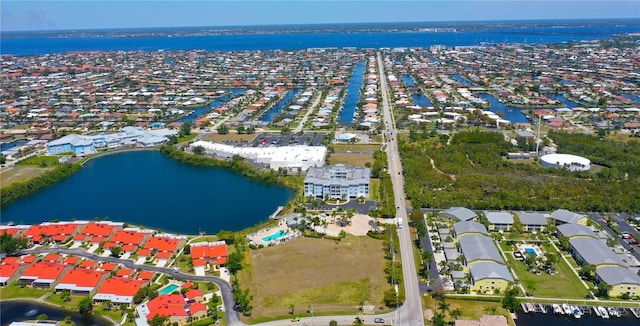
499, 221
337, 182
96, 232
81, 281
174, 306
128, 239
205, 255
621, 279
459, 214
489, 276
10, 271
119, 290
43, 275
563, 216
162, 246
58, 231
533, 222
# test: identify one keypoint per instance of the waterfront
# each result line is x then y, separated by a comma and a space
534, 319
21, 44
146, 188
510, 113
270, 114
353, 94
199, 112
11, 311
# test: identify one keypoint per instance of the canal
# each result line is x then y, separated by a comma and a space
510, 113
278, 107
418, 98
353, 94
199, 112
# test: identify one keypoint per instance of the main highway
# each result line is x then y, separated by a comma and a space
410, 313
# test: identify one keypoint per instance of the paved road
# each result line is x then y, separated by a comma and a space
233, 318
411, 311
634, 250
306, 116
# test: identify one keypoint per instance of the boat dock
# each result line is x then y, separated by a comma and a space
579, 310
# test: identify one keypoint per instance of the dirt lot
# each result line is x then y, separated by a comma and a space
353, 159
9, 175
331, 277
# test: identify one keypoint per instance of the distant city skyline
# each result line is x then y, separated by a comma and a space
26, 15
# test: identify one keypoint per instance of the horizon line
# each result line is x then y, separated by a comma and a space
320, 24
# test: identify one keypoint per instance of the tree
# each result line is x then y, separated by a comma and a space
603, 289
358, 322
116, 251
333, 323
438, 319
455, 314
185, 129
240, 129
198, 150
222, 129
509, 301
158, 320
292, 309
10, 244
42, 317
443, 306
587, 271
234, 264
85, 306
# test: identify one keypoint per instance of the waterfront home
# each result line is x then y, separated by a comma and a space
119, 290
489, 277
621, 279
14, 230
81, 281
96, 232
205, 255
57, 231
162, 246
43, 275
128, 239
174, 306
478, 248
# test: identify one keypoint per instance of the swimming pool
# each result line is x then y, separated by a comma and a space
531, 251
275, 236
169, 289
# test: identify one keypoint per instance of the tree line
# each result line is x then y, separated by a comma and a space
22, 189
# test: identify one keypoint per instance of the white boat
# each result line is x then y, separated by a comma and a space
567, 309
525, 308
531, 307
577, 313
31, 312
613, 312
542, 308
557, 309
635, 312
603, 312
595, 309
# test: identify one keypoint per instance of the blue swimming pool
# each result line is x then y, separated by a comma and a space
531, 251
169, 289
275, 236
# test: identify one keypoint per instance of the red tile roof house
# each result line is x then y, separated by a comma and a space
82, 281
162, 246
59, 232
119, 290
96, 232
129, 239
44, 274
14, 230
173, 306
205, 255
10, 271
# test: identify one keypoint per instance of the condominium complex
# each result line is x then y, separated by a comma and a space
337, 182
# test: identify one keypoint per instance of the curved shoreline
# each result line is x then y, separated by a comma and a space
53, 305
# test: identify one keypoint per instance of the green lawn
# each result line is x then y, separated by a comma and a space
374, 189
42, 160
564, 284
504, 246
187, 138
13, 290
71, 305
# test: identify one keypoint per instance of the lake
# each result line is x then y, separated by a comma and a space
11, 311
147, 188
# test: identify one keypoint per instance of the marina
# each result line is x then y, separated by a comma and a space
577, 311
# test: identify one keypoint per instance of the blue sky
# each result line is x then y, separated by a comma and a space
19, 15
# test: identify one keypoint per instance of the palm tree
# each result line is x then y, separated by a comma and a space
358, 322
455, 314
325, 224
292, 308
444, 306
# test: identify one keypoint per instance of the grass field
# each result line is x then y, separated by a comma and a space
187, 138
564, 284
374, 189
334, 278
470, 309
229, 137
19, 174
13, 290
41, 160
356, 147
353, 159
